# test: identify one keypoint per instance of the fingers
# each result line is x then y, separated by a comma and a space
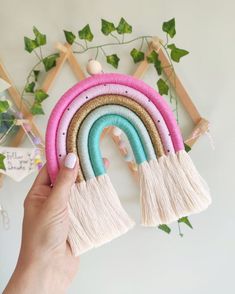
64, 181
42, 177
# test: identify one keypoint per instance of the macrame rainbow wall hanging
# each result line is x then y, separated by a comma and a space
170, 186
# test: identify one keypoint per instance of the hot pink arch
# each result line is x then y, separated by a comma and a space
99, 79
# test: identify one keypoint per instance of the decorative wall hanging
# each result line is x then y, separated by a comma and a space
170, 186
161, 54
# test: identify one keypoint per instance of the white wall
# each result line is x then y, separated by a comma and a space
144, 260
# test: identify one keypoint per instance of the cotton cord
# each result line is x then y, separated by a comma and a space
118, 90
104, 79
94, 137
82, 136
132, 107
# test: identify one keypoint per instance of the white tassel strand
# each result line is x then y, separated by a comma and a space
195, 179
167, 212
179, 190
150, 213
98, 212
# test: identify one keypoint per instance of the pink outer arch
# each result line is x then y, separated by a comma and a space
67, 98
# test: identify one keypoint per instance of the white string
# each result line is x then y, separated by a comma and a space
5, 218
33, 134
211, 140
30, 139
7, 132
197, 133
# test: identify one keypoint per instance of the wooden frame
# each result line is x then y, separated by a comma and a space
201, 125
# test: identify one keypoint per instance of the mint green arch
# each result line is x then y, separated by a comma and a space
94, 139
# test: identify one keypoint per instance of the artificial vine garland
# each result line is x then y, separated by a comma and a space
33, 96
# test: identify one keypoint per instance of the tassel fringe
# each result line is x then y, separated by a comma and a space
96, 215
195, 179
155, 205
170, 188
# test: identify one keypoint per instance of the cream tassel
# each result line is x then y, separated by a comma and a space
179, 189
77, 237
150, 213
166, 210
195, 179
184, 198
97, 208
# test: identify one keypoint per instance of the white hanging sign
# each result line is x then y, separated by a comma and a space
19, 162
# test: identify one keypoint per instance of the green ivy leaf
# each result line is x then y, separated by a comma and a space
40, 38
153, 57
113, 60
158, 67
186, 221
4, 106
50, 61
36, 74
187, 147
2, 165
36, 108
30, 87
169, 27
163, 88
165, 228
137, 55
107, 27
29, 44
70, 37
177, 53
6, 121
124, 27
86, 34
40, 95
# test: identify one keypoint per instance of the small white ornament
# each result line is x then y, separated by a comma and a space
94, 67
117, 132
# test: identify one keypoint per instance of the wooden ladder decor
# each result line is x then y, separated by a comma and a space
201, 125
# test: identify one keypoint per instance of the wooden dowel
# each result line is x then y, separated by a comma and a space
176, 83
76, 68
200, 129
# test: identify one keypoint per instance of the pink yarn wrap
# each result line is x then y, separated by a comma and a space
115, 89
125, 80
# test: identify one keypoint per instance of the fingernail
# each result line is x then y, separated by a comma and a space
70, 160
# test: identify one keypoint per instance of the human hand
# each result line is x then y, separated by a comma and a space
45, 263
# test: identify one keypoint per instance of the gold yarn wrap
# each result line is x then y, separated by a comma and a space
82, 112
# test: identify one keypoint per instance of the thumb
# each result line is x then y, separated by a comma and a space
64, 181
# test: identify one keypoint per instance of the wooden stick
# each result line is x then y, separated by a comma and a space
75, 66
176, 83
200, 129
